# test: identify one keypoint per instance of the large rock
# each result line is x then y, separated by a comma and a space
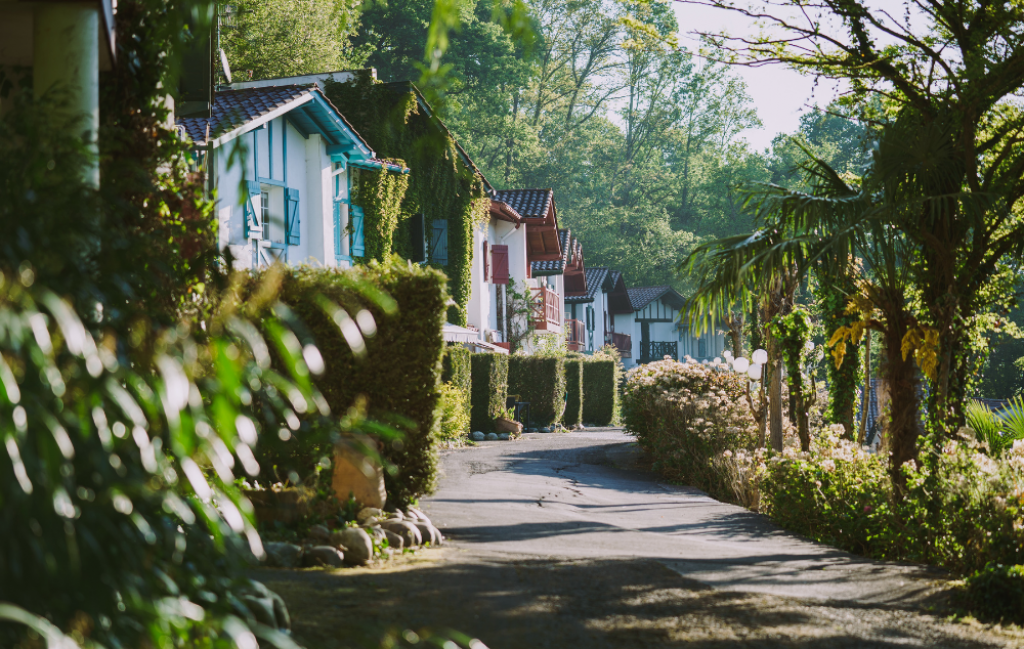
417, 514
264, 605
492, 437
410, 535
359, 544
376, 533
357, 476
323, 555
429, 533
395, 541
283, 555
319, 533
477, 435
366, 513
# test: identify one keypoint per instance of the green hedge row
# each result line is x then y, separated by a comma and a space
456, 369
541, 381
398, 377
490, 389
600, 392
573, 391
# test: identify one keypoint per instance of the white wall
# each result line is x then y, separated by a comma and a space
477, 309
309, 171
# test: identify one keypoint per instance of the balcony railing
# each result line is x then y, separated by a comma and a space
575, 335
547, 313
622, 342
656, 351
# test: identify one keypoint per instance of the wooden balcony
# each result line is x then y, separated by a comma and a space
621, 342
547, 312
575, 335
656, 351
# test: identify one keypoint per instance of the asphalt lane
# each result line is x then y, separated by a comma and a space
570, 496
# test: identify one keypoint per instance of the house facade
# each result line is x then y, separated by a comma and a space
282, 162
656, 330
606, 296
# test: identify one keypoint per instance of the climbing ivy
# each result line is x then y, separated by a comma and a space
441, 186
792, 332
380, 195
844, 378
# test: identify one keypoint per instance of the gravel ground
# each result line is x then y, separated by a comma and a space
641, 564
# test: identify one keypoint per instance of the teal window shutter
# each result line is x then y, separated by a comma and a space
439, 242
358, 247
291, 203
337, 234
250, 222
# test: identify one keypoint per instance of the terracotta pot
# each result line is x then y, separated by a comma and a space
502, 425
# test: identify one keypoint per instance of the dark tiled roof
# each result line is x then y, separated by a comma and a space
644, 295
564, 237
528, 202
234, 108
554, 267
595, 279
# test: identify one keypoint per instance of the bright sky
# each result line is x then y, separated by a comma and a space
780, 94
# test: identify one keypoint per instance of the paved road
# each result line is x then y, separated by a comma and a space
555, 542
573, 496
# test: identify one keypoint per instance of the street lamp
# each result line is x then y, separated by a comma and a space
740, 364
760, 357
754, 372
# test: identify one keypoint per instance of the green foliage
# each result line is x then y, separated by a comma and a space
457, 369
540, 381
454, 415
573, 391
490, 390
600, 391
380, 194
996, 593
844, 379
386, 352
997, 432
264, 39
440, 186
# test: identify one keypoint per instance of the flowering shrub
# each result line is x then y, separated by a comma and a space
687, 415
962, 509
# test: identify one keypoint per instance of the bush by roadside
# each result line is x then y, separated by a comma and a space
540, 380
384, 356
601, 403
573, 392
490, 389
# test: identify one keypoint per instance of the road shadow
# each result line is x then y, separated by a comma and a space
597, 604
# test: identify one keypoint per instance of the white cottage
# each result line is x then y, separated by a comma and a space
282, 160
606, 297
656, 329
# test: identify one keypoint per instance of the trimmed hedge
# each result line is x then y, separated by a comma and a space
456, 369
400, 374
600, 392
541, 381
490, 389
573, 392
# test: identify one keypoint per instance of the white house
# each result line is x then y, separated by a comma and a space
501, 244
606, 296
656, 331
282, 161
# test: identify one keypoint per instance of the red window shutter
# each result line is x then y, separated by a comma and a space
499, 274
487, 263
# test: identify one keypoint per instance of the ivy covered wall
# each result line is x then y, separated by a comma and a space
379, 193
441, 186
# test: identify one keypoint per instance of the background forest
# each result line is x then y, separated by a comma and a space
641, 140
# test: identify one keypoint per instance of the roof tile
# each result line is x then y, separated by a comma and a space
528, 202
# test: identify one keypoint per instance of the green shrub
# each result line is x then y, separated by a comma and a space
454, 415
457, 370
996, 593
600, 391
540, 381
573, 392
396, 371
490, 390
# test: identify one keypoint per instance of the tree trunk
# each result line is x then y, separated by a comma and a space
904, 428
775, 399
862, 436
